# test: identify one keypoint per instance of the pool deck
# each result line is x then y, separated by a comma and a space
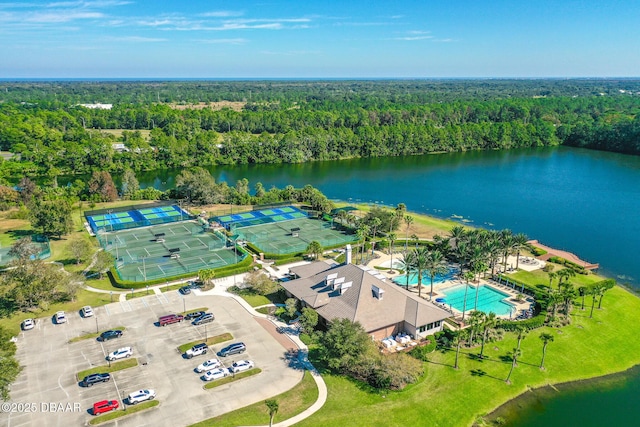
384, 259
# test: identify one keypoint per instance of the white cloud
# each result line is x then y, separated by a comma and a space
222, 14
55, 17
223, 41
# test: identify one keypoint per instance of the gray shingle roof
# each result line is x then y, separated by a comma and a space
358, 302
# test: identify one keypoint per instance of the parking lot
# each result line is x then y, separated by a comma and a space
47, 392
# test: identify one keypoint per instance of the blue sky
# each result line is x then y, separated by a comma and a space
316, 39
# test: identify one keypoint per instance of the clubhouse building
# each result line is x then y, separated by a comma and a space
362, 295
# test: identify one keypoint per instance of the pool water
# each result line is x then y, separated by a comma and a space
489, 299
426, 279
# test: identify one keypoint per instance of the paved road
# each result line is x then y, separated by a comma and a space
50, 364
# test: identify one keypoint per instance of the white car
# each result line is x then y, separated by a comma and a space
60, 317
208, 365
241, 365
28, 324
87, 311
120, 353
215, 374
141, 396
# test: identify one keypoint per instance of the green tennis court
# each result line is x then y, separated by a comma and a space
167, 250
293, 236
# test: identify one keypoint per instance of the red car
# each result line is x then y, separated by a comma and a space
105, 406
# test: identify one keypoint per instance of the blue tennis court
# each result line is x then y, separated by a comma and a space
259, 217
132, 218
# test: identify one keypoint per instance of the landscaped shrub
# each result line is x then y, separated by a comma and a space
529, 324
422, 352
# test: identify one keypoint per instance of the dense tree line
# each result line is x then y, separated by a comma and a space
288, 123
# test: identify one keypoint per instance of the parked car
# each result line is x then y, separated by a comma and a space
241, 365
109, 335
105, 406
120, 353
92, 379
60, 317
170, 318
205, 318
141, 396
193, 315
208, 365
28, 324
235, 348
196, 350
87, 311
185, 290
215, 374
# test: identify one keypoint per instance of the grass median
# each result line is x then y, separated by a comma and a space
209, 341
231, 378
93, 335
291, 403
120, 413
115, 366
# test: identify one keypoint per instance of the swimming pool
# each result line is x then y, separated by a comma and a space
426, 279
489, 299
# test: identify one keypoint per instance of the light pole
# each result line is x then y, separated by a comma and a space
235, 251
97, 330
184, 305
111, 295
147, 289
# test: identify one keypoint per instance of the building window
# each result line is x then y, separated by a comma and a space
438, 323
422, 329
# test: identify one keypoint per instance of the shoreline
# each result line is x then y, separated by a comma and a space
510, 407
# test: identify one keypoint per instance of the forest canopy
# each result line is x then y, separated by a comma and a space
45, 131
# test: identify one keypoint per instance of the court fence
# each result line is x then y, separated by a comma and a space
40, 241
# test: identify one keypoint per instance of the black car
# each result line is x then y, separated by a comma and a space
108, 335
185, 290
235, 348
92, 379
205, 318
193, 315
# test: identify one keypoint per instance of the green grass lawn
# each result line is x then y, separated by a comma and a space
587, 348
115, 366
83, 298
210, 341
291, 403
118, 413
231, 378
537, 278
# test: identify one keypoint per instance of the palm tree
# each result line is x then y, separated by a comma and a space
506, 238
362, 232
564, 275
519, 243
273, 407
608, 284
552, 275
392, 242
582, 291
554, 299
408, 220
514, 362
467, 276
475, 319
522, 334
418, 260
341, 216
490, 321
594, 292
314, 249
435, 265
478, 267
546, 339
458, 338
568, 293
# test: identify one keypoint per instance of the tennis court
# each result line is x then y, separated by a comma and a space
293, 236
166, 250
258, 217
134, 216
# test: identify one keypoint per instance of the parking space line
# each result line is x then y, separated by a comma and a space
126, 306
162, 298
106, 308
144, 302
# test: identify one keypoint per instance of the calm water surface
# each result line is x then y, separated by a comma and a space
587, 202
583, 201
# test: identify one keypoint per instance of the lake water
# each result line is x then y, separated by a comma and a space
583, 201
